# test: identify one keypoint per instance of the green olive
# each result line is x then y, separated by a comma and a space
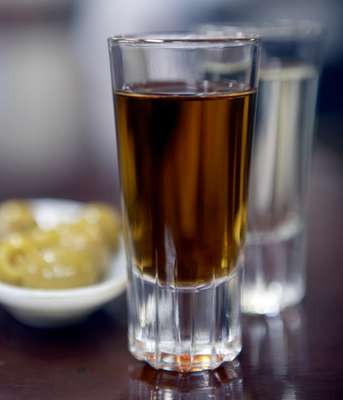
45, 238
85, 237
103, 216
66, 256
14, 253
15, 216
60, 268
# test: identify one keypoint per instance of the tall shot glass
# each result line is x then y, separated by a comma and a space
274, 277
184, 146
276, 245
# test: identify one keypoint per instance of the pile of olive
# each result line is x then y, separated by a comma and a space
66, 256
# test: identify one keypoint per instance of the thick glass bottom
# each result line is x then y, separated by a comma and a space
224, 383
185, 329
274, 275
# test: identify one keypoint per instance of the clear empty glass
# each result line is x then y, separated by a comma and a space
276, 246
184, 145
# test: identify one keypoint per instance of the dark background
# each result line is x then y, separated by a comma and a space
56, 117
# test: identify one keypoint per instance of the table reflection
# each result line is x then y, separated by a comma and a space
223, 383
275, 348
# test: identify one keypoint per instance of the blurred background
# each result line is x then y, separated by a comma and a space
56, 112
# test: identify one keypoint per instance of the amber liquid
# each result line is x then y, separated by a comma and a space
184, 163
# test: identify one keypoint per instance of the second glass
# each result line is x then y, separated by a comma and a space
184, 146
274, 276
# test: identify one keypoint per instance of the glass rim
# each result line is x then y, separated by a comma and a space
168, 39
279, 29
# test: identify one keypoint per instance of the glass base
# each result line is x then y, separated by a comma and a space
224, 383
185, 329
274, 275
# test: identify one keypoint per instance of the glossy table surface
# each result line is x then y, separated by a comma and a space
298, 355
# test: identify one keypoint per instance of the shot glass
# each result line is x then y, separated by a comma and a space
274, 277
184, 146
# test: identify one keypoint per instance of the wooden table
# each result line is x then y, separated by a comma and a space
298, 355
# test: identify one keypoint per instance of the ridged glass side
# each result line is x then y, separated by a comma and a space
184, 329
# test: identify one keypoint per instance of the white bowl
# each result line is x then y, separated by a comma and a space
54, 308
